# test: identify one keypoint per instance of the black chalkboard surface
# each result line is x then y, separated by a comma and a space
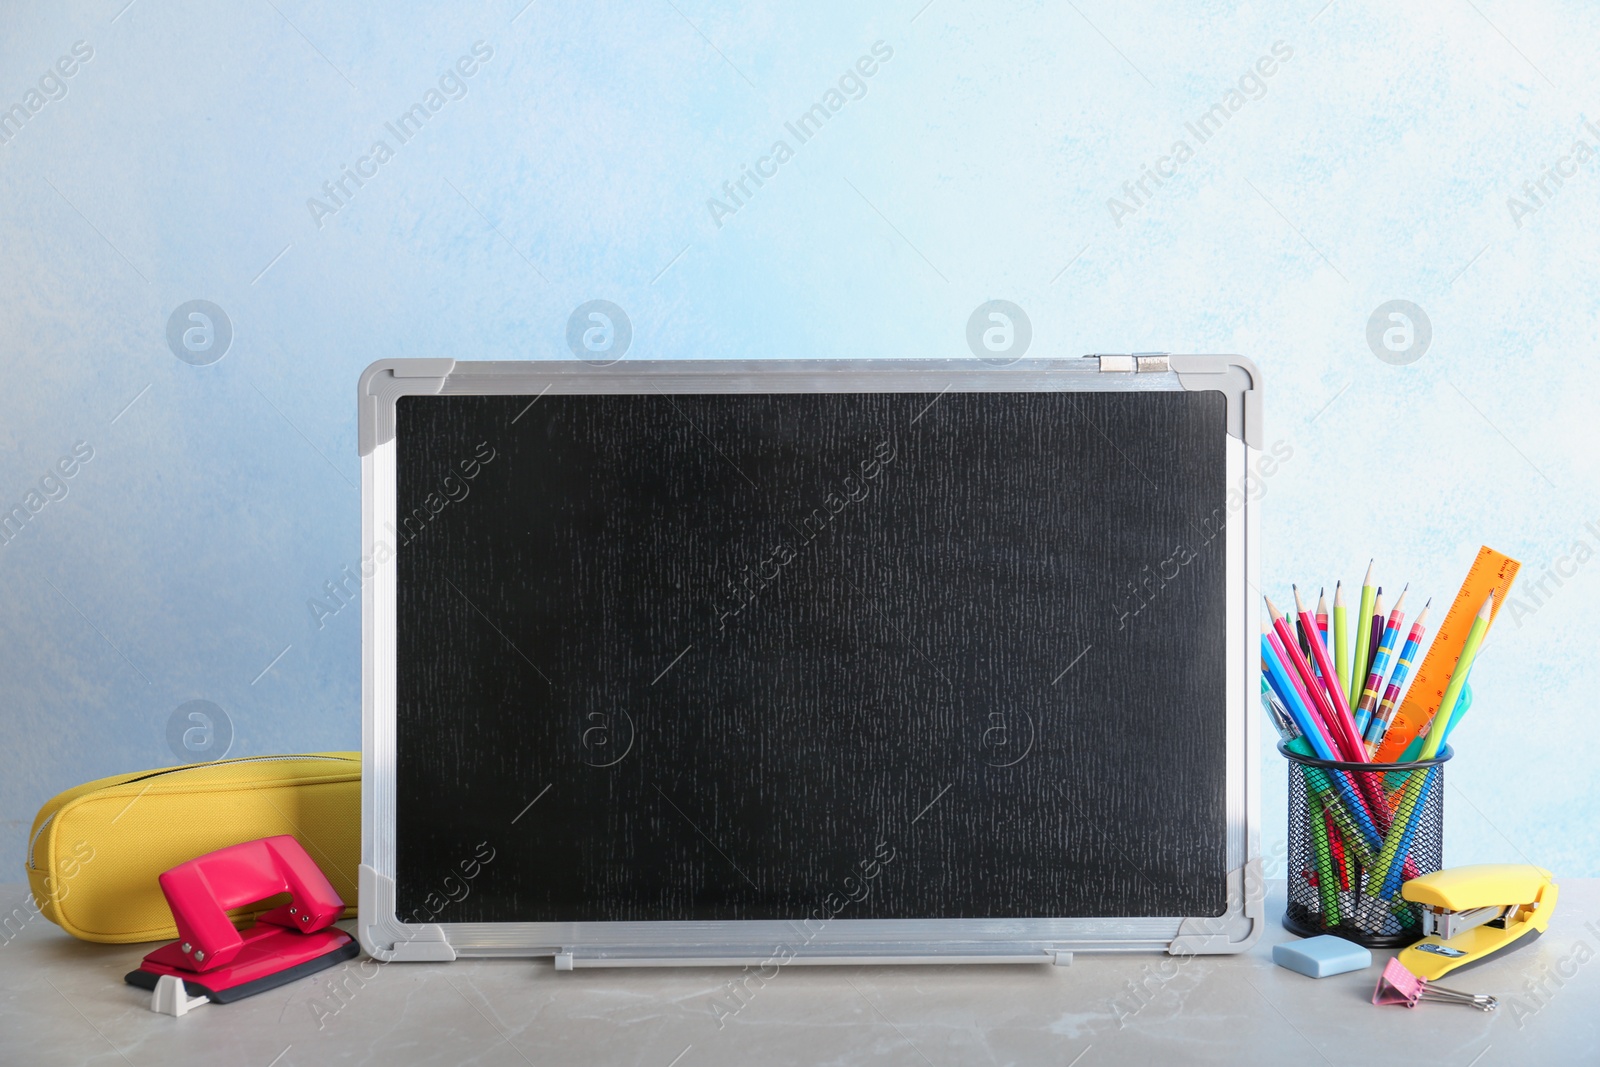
729, 656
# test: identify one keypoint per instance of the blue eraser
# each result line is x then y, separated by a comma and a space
1321, 957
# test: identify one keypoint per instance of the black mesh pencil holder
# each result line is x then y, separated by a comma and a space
1357, 831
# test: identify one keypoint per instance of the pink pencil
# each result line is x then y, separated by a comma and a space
1322, 625
1318, 694
1300, 687
1354, 750
1368, 795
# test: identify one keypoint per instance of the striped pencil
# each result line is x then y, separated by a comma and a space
1397, 839
1375, 637
1322, 630
1379, 726
1372, 691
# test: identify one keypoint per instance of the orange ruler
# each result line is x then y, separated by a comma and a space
1491, 571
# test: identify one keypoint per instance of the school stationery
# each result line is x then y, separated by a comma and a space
1322, 618
1490, 571
1372, 690
1334, 792
213, 961
726, 658
1375, 635
1472, 913
1335, 712
1363, 636
1322, 956
1398, 985
1341, 636
96, 850
1405, 816
1379, 724
1458, 678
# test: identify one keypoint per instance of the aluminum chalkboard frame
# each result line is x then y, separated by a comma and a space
388, 936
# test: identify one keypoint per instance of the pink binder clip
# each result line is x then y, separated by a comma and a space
1397, 985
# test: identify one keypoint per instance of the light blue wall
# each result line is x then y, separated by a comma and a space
1376, 165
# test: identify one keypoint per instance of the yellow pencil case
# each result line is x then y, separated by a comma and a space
95, 851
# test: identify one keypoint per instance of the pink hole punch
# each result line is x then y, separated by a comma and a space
213, 961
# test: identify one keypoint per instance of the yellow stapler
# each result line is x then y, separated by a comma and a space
1471, 913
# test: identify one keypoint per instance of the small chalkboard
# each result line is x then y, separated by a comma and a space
929, 659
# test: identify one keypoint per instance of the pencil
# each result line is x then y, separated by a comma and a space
1363, 637
1375, 635
1372, 691
1341, 857
1317, 785
1322, 630
1293, 691
1379, 726
1305, 645
1458, 678
1341, 636
1312, 740
1321, 846
1416, 791
1340, 722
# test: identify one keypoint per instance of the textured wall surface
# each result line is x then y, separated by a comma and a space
340, 186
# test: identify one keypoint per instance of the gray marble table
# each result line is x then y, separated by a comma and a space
64, 1002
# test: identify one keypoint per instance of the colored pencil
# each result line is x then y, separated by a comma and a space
1341, 856
1360, 834
1314, 742
1384, 870
1296, 697
1458, 678
1317, 802
1305, 647
1322, 847
1287, 647
1416, 791
1375, 635
1322, 632
1341, 636
1363, 637
1340, 722
1379, 725
1372, 691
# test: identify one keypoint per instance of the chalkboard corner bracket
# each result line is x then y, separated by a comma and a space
1237, 378
1237, 928
384, 937
384, 382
